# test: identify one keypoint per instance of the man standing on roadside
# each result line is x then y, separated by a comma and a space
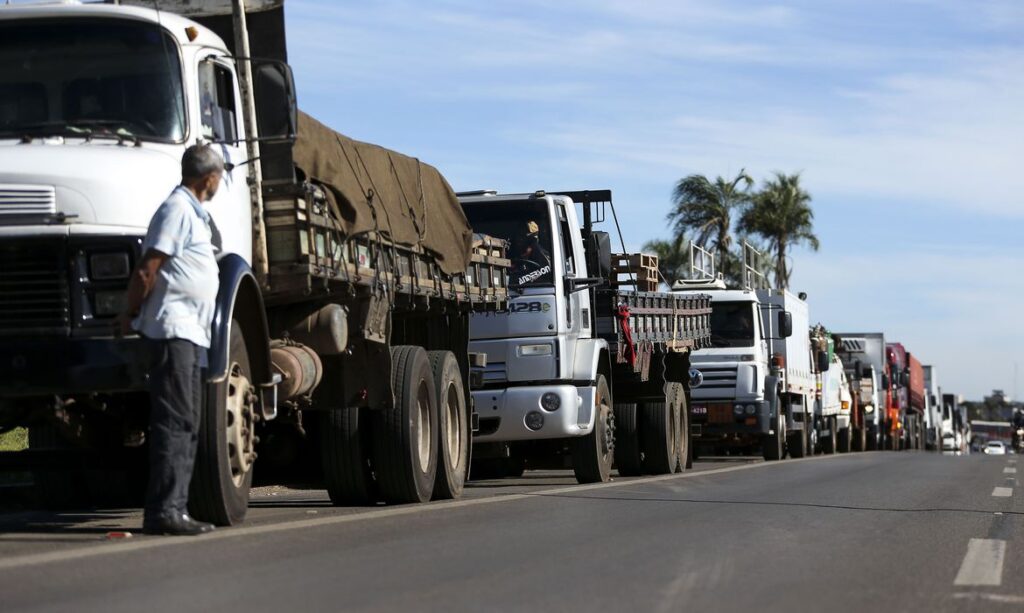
170, 302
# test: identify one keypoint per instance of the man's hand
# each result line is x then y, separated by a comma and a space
123, 325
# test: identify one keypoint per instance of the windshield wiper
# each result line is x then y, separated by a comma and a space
77, 127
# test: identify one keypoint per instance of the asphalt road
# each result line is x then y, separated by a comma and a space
872, 531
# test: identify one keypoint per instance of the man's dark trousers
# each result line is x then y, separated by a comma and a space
175, 402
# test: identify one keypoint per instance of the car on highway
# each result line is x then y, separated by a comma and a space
994, 448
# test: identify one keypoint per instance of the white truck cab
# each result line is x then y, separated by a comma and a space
542, 354
758, 382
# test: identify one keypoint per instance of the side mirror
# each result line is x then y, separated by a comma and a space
578, 284
276, 110
785, 324
822, 359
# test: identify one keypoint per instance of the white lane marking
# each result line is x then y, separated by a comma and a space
1002, 492
983, 563
1009, 471
1003, 598
227, 533
1012, 461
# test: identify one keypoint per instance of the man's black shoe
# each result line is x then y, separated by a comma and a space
176, 525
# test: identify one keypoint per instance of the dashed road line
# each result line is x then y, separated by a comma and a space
1002, 492
1009, 471
983, 563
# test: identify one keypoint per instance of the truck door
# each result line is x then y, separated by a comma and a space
576, 324
220, 123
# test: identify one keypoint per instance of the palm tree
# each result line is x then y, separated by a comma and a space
673, 258
782, 215
704, 209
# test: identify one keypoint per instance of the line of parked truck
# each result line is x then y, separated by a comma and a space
775, 384
375, 332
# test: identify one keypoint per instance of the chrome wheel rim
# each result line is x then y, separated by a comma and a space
241, 431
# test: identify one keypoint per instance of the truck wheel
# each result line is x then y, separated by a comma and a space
872, 438
845, 439
405, 449
592, 454
829, 443
344, 457
219, 492
659, 436
773, 446
628, 458
56, 488
798, 443
453, 426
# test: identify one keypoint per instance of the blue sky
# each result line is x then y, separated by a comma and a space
905, 118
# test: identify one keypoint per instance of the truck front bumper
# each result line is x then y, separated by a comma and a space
505, 413
65, 366
717, 419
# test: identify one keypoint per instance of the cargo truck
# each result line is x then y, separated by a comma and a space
590, 365
348, 273
758, 381
933, 409
829, 415
908, 383
864, 353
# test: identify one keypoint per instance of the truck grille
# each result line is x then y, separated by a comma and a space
27, 199
718, 378
33, 288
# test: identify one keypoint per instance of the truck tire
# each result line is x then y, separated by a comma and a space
56, 489
829, 443
592, 454
872, 438
453, 437
773, 446
225, 455
345, 458
404, 441
798, 442
845, 439
659, 437
628, 457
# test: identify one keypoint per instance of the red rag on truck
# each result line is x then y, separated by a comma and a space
627, 334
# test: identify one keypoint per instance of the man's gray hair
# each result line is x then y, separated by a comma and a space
199, 161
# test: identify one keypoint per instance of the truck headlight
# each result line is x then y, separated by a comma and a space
109, 303
550, 401
534, 420
104, 266
751, 409
738, 409
869, 408
534, 350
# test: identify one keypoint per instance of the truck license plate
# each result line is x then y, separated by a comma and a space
720, 413
698, 409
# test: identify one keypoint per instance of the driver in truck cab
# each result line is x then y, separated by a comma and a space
533, 260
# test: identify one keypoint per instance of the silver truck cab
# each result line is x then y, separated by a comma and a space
542, 354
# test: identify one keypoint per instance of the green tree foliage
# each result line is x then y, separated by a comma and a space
703, 210
781, 214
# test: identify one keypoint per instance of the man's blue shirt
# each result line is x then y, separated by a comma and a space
182, 301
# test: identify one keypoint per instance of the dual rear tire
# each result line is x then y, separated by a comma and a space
410, 452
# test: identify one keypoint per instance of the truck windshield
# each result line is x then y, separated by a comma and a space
526, 227
732, 324
88, 78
